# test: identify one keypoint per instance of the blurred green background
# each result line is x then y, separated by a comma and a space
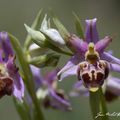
14, 13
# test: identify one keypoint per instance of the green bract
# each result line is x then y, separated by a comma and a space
36, 35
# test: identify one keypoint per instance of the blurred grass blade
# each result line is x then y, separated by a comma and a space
63, 31
35, 25
78, 26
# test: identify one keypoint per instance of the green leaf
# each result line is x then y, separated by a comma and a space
63, 31
35, 25
78, 26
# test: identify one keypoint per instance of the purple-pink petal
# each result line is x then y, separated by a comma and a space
79, 90
77, 45
110, 58
18, 91
58, 100
91, 34
51, 76
113, 85
101, 45
1, 56
6, 45
70, 68
114, 67
70, 72
38, 79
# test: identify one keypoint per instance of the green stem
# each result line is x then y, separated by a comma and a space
103, 106
22, 109
94, 104
98, 105
28, 78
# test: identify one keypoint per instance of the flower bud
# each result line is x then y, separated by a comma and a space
36, 35
52, 33
45, 60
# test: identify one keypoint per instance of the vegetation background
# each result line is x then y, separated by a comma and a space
14, 13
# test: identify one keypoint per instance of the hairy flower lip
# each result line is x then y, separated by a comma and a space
6, 86
93, 75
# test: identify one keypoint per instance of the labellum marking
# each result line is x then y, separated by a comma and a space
93, 71
6, 83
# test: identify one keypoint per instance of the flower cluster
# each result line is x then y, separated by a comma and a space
43, 47
90, 63
10, 81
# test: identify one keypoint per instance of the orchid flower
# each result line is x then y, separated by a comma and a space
47, 91
90, 63
10, 81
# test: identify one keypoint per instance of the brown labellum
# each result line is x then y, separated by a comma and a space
6, 86
93, 75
